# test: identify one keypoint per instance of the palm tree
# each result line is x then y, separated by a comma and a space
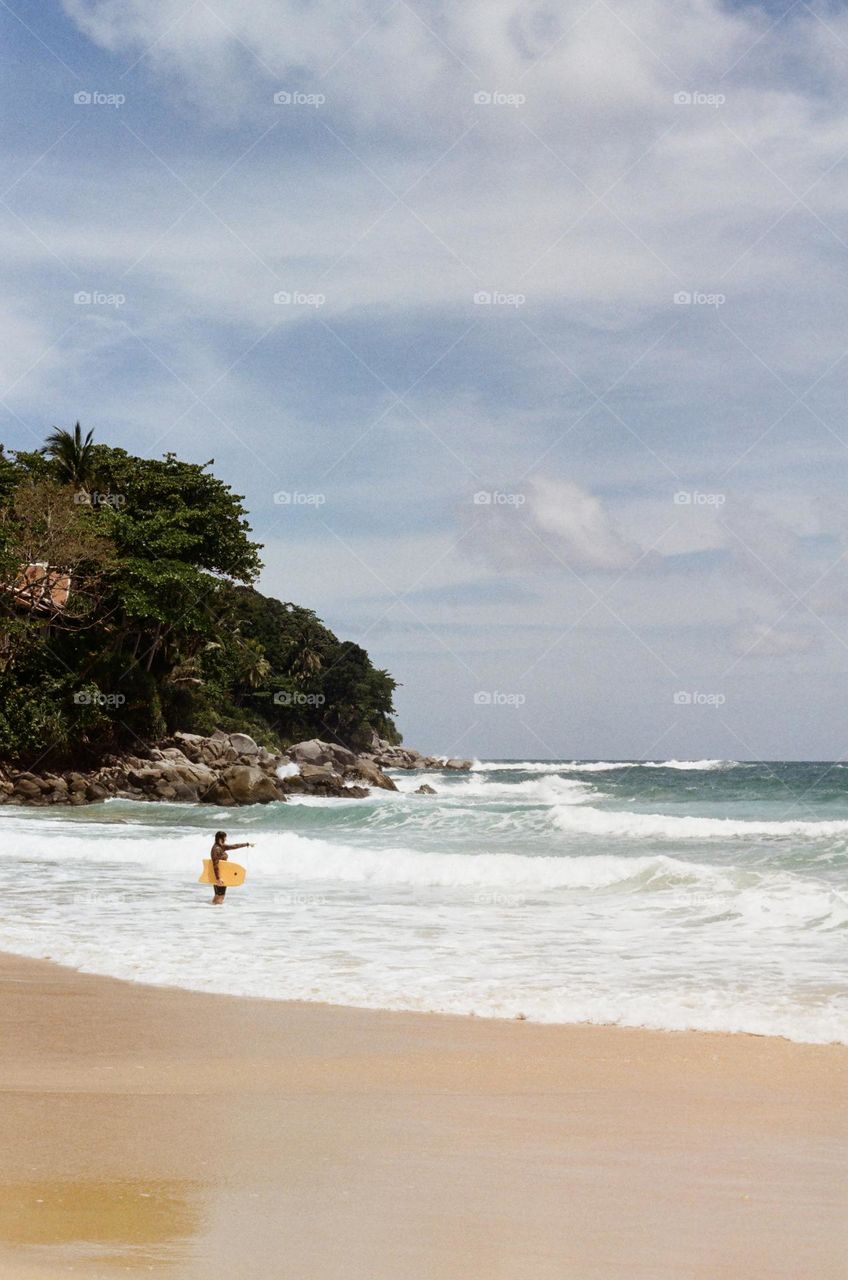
255, 667
73, 456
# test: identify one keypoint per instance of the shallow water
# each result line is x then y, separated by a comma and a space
677, 894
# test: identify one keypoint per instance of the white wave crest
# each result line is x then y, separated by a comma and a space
597, 822
549, 789
517, 766
688, 766
600, 766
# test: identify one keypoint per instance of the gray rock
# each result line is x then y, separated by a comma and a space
371, 773
196, 775
317, 771
184, 793
247, 784
425, 790
27, 787
312, 751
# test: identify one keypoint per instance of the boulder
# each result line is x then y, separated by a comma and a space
244, 745
457, 764
184, 793
144, 779
425, 790
309, 771
311, 752
219, 794
195, 775
191, 744
371, 773
247, 784
31, 779
213, 751
168, 753
27, 787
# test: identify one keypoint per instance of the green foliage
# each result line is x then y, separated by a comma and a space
72, 456
162, 630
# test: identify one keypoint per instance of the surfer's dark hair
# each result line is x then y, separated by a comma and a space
220, 835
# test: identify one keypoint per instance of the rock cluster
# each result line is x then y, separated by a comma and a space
391, 757
224, 769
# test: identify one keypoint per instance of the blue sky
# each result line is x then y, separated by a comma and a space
585, 263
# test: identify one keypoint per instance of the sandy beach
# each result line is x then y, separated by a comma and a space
154, 1131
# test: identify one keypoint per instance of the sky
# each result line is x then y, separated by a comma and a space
520, 326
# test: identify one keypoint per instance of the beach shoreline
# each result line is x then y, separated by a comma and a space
166, 1131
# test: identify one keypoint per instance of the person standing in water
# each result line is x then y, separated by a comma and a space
220, 853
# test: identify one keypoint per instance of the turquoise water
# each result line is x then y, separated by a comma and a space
704, 894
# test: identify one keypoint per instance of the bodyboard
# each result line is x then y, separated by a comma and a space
230, 872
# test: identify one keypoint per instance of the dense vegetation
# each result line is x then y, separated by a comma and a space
162, 629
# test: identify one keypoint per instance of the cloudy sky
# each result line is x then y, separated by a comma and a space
521, 326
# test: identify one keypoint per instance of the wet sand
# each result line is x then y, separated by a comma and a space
153, 1131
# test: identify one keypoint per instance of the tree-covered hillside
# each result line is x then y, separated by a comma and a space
127, 611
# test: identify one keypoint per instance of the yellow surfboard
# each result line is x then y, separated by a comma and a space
231, 873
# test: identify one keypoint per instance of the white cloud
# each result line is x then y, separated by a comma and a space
546, 524
578, 526
764, 640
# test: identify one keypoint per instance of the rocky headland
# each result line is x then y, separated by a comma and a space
226, 769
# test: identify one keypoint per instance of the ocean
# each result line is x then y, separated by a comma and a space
703, 894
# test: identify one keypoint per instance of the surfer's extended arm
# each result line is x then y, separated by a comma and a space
247, 845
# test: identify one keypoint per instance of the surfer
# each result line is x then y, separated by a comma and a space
220, 853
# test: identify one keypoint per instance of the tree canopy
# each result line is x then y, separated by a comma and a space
162, 628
